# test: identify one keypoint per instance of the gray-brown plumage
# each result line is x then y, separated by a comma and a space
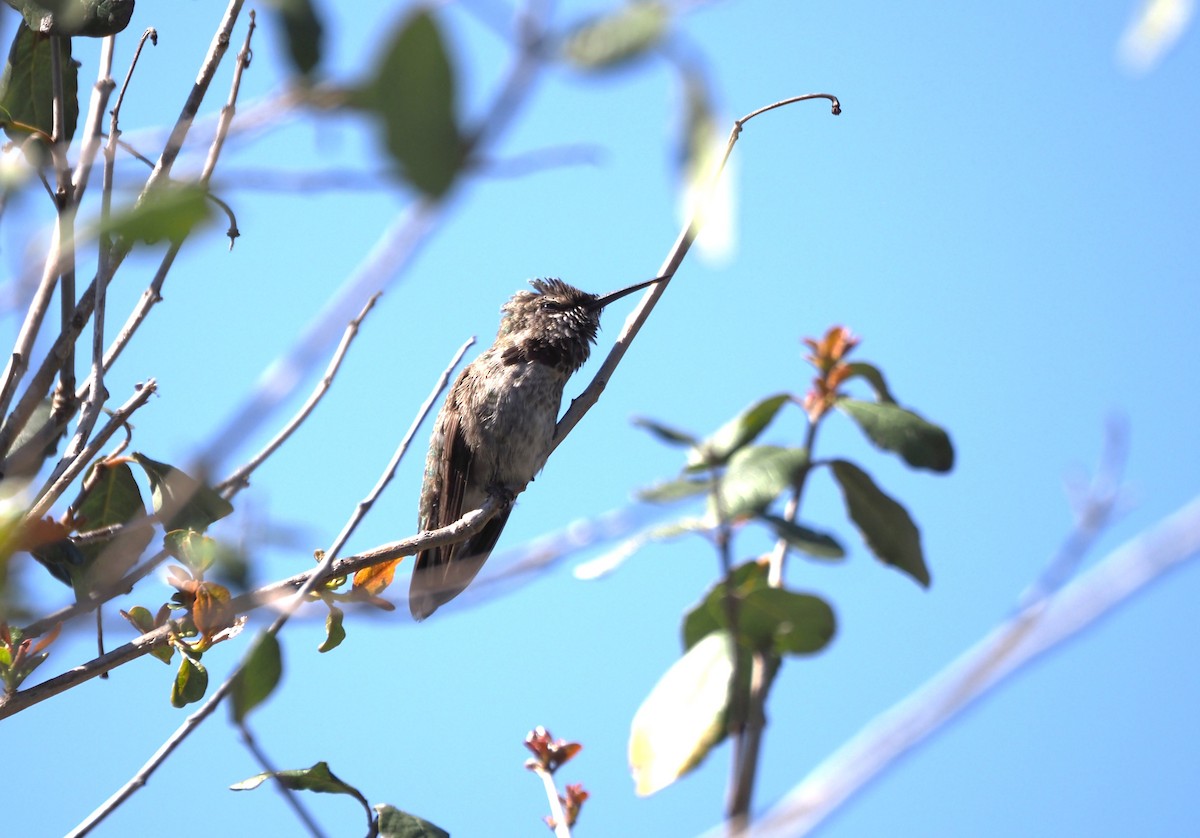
495, 430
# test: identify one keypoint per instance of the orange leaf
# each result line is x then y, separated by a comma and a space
376, 578
211, 611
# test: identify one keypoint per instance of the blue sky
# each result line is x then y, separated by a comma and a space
1003, 213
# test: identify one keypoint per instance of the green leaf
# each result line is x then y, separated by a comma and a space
335, 633
181, 501
28, 463
191, 682
735, 434
90, 18
885, 525
414, 95
672, 490
618, 37
874, 377
318, 778
769, 619
667, 434
393, 823
111, 496
816, 544
756, 476
683, 717
168, 212
198, 552
27, 87
892, 428
303, 30
255, 682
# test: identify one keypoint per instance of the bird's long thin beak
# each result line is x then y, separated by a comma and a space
604, 300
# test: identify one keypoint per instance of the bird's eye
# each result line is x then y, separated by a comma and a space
551, 306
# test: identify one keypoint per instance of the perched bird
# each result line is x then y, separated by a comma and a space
495, 430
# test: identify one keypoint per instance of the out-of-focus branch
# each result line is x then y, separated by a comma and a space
1042, 625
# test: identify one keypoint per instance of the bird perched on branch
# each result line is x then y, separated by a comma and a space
496, 429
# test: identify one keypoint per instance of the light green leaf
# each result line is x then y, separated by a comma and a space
673, 490
191, 682
756, 476
617, 37
168, 212
683, 716
335, 632
27, 87
258, 678
181, 501
738, 432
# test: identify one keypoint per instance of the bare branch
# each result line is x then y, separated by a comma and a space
633, 324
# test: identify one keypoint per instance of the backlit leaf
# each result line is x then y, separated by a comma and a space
191, 682
756, 476
735, 434
617, 37
181, 501
683, 717
258, 679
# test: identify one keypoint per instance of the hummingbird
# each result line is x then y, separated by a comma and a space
496, 428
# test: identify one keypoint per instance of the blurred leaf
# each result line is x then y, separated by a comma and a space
258, 679
874, 377
617, 37
181, 501
335, 632
89, 18
47, 541
303, 30
29, 462
199, 552
701, 148
27, 87
393, 823
672, 490
665, 433
168, 212
892, 428
318, 778
756, 476
885, 525
211, 611
769, 619
817, 544
735, 434
413, 92
682, 718
191, 682
111, 496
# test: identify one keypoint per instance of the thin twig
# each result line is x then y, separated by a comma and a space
290, 796
389, 471
216, 51
466, 526
230, 107
228, 488
633, 324
561, 828
241, 478
65, 473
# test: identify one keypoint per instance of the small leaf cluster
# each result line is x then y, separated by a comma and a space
749, 618
550, 754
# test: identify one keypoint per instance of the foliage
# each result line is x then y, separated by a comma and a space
749, 621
